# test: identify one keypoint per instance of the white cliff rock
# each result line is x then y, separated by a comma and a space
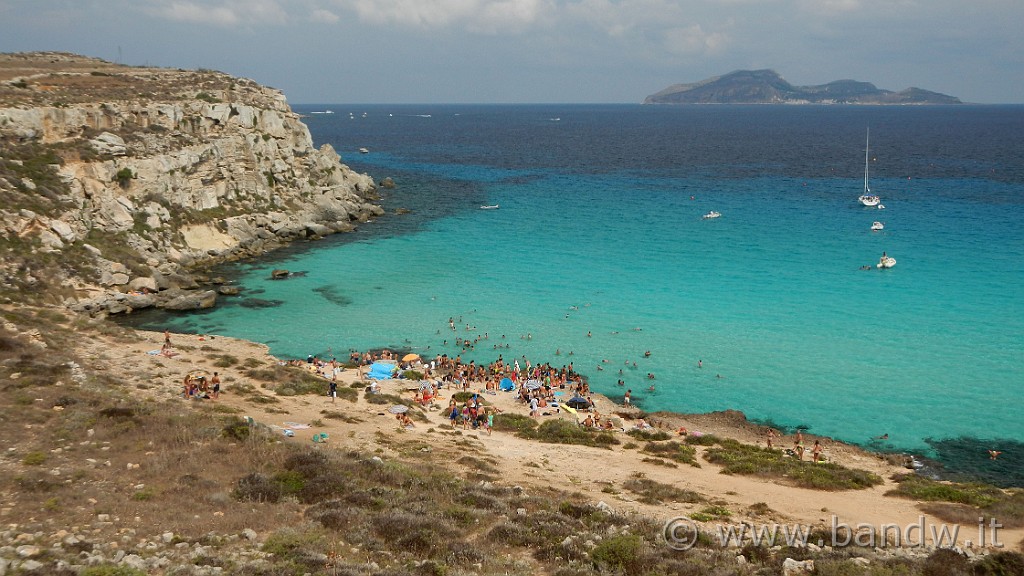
221, 174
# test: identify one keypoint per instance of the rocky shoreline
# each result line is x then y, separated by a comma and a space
137, 179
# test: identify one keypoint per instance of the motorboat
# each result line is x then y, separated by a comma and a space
867, 198
712, 214
364, 150
886, 261
491, 207
876, 226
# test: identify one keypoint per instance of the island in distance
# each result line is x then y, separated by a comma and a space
767, 87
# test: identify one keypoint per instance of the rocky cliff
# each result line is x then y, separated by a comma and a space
117, 183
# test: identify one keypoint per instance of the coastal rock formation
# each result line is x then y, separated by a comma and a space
117, 179
768, 87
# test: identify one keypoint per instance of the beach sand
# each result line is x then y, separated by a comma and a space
595, 473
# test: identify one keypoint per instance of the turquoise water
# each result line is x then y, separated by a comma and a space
597, 232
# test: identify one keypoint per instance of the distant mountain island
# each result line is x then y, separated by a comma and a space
767, 87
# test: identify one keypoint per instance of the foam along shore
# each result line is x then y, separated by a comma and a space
357, 424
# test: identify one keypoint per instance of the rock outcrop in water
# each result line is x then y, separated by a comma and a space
117, 182
767, 87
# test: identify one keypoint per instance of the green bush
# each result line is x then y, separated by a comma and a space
649, 435
673, 451
34, 458
206, 97
623, 552
720, 512
652, 492
746, 459
1002, 563
236, 429
514, 423
124, 177
566, 432
702, 440
920, 488
384, 399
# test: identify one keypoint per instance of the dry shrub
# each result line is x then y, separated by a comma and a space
415, 533
256, 487
476, 498
652, 492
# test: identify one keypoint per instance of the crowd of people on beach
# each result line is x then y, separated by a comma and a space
542, 389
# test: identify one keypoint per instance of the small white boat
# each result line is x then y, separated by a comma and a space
364, 150
492, 207
881, 206
867, 198
712, 214
886, 262
876, 225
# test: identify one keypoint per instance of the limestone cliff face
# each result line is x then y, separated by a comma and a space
142, 174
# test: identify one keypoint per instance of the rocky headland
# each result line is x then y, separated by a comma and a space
120, 184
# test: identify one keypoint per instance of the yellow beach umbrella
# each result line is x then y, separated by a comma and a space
410, 357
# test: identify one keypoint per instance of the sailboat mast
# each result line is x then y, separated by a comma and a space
867, 143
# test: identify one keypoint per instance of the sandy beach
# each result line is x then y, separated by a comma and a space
594, 473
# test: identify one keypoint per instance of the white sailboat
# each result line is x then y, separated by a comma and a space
867, 198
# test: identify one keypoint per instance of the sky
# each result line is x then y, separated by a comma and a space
540, 51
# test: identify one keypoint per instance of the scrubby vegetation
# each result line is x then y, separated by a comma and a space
963, 501
746, 459
673, 451
566, 432
652, 492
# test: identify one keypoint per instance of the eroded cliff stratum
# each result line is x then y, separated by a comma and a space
117, 182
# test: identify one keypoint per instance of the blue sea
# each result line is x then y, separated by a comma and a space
598, 252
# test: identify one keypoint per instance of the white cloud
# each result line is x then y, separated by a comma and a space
693, 40
225, 13
192, 12
485, 16
324, 16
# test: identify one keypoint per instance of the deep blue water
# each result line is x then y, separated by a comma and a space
599, 230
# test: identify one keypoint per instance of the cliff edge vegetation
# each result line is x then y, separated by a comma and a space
118, 182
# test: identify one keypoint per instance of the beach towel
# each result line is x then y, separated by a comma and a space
296, 425
381, 371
